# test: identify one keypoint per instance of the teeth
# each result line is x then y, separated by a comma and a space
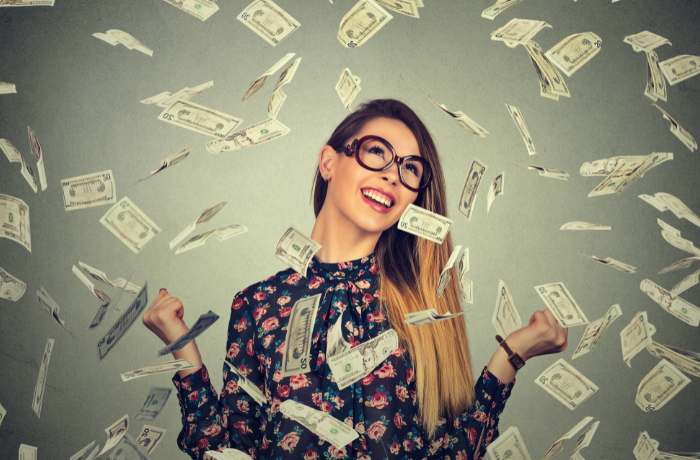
377, 197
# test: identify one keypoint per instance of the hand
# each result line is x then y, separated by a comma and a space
543, 335
164, 317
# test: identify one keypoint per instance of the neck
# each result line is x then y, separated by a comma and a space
340, 239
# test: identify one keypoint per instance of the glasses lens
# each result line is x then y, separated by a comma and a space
374, 153
412, 172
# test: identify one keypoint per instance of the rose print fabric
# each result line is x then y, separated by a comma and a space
381, 407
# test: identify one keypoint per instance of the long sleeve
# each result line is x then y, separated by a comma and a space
210, 421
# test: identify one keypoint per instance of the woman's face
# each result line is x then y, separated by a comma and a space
348, 179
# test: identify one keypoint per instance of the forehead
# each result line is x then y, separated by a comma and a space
394, 131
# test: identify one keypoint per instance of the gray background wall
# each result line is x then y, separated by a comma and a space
81, 97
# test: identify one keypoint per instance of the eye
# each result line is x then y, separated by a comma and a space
376, 149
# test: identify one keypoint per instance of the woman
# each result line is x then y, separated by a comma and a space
422, 400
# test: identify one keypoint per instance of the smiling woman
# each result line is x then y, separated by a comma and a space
408, 391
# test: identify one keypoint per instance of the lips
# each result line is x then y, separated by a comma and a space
374, 205
381, 192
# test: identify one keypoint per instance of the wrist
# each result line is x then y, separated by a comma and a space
516, 344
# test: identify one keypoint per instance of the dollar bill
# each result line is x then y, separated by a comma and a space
680, 264
688, 281
574, 51
471, 185
200, 119
626, 173
26, 452
259, 82
160, 368
99, 275
518, 31
204, 321
221, 234
679, 131
562, 304
3, 413
552, 84
50, 305
673, 237
255, 134
40, 386
115, 432
126, 449
509, 445
166, 98
7, 88
246, 384
296, 250
659, 386
463, 119
645, 41
583, 225
297, 359
11, 287
663, 201
519, 121
150, 437
89, 190
446, 273
688, 362
428, 316
15, 156
680, 68
12, 3
585, 439
566, 384
616, 264
424, 224
361, 23
496, 189
14, 221
505, 318
655, 87
675, 305
119, 37
226, 454
169, 161
155, 402
594, 330
497, 8
325, 426
89, 452
119, 328
352, 365
268, 20
204, 217
646, 448
200, 9
129, 224
636, 336
550, 173
38, 152
278, 96
562, 440
348, 87
335, 342
466, 287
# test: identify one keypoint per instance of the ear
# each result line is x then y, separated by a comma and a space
326, 161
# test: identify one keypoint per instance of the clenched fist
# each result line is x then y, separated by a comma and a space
543, 335
164, 317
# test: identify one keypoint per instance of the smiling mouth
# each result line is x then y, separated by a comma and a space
378, 198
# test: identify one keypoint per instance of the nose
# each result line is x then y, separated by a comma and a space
391, 174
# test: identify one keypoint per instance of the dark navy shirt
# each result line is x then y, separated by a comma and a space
381, 407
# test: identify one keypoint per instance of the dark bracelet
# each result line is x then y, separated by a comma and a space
515, 359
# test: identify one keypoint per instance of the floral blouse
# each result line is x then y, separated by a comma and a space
381, 407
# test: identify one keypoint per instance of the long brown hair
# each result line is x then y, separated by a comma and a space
409, 269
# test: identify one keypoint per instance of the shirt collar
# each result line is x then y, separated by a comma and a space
349, 269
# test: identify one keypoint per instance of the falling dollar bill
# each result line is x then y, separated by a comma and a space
204, 217
550, 173
673, 237
129, 224
7, 88
200, 119
297, 358
679, 131
26, 452
119, 37
119, 328
626, 172
150, 437
11, 287
246, 384
471, 185
636, 336
497, 8
663, 201
353, 364
562, 440
496, 189
50, 305
572, 52
268, 20
519, 121
226, 453
505, 318
424, 224
552, 84
645, 41
661, 384
688, 281
200, 9
14, 221
583, 225
408, 8
160, 368
655, 87
166, 98
221, 234
594, 330
38, 152
89, 452
203, 322
89, 190
278, 96
463, 119
259, 82
347, 87
562, 304
446, 273
170, 160
675, 305
518, 31
428, 316
12, 3
645, 448
616, 264
126, 448
509, 445
102, 277
566, 384
13, 155
40, 386
296, 250
255, 134
680, 68
154, 403
687, 361
361, 23
115, 432
325, 426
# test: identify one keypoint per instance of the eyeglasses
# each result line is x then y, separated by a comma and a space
377, 154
